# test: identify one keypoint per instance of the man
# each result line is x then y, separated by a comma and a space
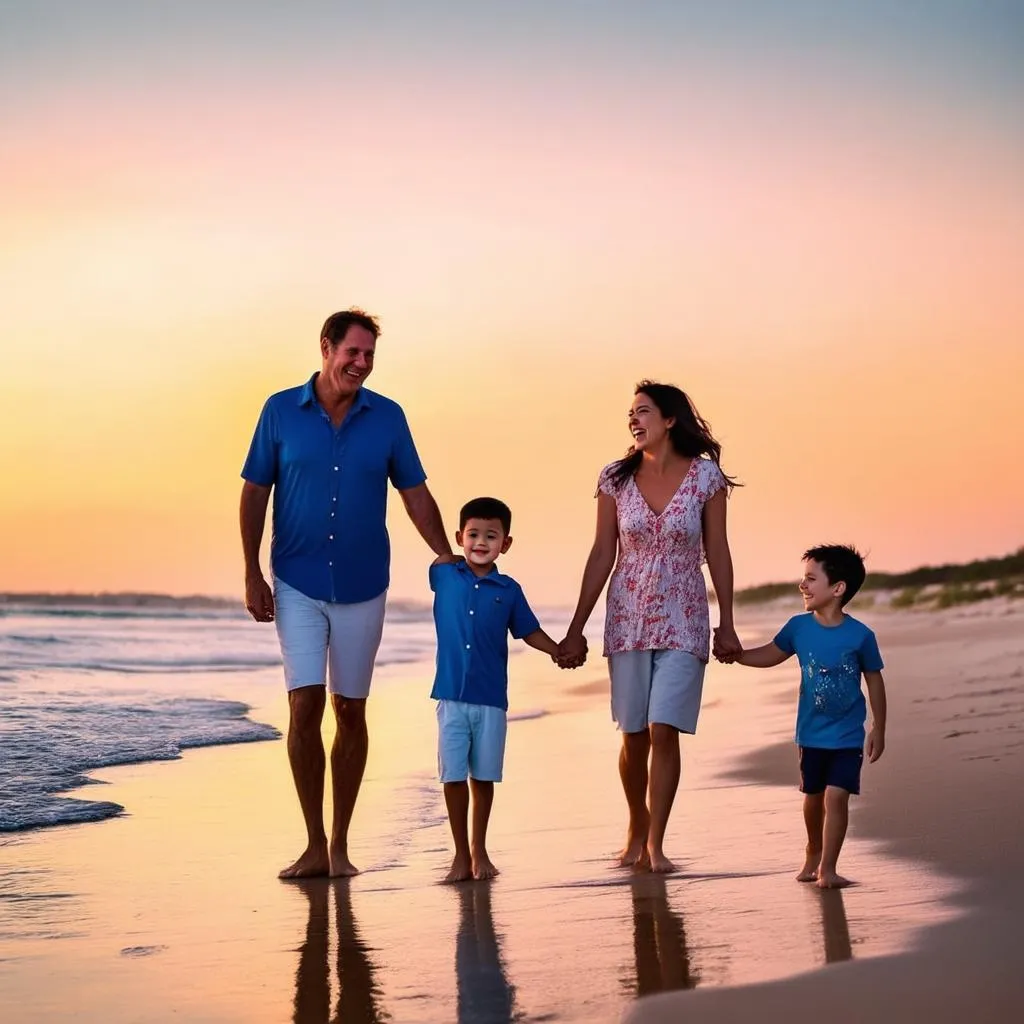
327, 449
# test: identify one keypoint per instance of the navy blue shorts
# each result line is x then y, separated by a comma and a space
820, 768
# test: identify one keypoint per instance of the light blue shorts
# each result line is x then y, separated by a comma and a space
470, 741
656, 686
317, 634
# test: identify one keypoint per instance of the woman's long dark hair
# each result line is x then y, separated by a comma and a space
690, 435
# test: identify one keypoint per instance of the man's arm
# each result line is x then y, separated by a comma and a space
876, 698
426, 517
259, 599
766, 656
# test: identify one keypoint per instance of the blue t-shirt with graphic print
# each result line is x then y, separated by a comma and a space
833, 659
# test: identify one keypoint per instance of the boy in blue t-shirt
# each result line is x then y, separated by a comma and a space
834, 650
475, 608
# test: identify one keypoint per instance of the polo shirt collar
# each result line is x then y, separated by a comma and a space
307, 395
492, 577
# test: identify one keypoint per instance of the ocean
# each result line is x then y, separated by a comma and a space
121, 680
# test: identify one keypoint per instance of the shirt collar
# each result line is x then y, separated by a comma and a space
307, 395
492, 577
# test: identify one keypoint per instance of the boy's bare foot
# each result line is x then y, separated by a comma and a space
660, 863
461, 869
314, 863
830, 880
482, 866
809, 872
341, 866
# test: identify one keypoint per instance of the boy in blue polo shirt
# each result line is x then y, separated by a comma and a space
834, 650
475, 608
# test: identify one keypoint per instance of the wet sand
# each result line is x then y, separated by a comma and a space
947, 797
173, 911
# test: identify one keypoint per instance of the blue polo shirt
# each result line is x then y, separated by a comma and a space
473, 616
330, 539
831, 709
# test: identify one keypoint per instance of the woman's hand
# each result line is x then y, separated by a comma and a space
727, 646
572, 651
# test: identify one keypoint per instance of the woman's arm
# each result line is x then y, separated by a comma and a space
716, 546
595, 575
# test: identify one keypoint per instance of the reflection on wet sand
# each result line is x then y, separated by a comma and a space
357, 990
484, 993
659, 939
834, 927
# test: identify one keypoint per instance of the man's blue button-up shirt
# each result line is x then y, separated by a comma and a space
330, 539
473, 616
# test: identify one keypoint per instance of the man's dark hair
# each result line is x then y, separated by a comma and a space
486, 508
842, 564
337, 325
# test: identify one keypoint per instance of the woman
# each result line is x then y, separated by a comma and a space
657, 508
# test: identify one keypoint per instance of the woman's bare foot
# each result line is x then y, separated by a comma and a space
461, 869
482, 866
830, 880
314, 863
341, 866
809, 872
660, 863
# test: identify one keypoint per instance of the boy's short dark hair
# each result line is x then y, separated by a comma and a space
842, 564
337, 324
486, 508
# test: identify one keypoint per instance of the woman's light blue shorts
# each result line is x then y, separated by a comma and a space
470, 741
656, 686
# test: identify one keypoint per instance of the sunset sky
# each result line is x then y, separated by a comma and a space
810, 216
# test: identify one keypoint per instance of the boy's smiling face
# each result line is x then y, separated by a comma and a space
815, 588
482, 540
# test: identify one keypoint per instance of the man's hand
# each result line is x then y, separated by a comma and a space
875, 745
572, 651
259, 599
447, 559
727, 647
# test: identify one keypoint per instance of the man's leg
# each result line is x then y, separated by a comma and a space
306, 756
348, 761
665, 769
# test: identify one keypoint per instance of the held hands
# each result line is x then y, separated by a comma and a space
259, 599
572, 651
727, 647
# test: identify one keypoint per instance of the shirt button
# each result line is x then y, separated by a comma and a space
476, 586
335, 469
332, 515
330, 563
331, 537
333, 499
467, 647
471, 612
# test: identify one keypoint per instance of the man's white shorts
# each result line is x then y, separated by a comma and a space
317, 634
470, 741
656, 686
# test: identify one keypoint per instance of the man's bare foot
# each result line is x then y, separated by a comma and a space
809, 872
341, 866
313, 863
482, 866
830, 880
461, 869
660, 863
